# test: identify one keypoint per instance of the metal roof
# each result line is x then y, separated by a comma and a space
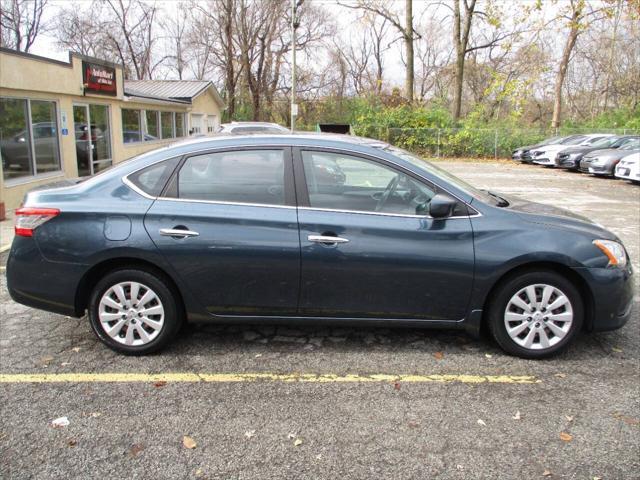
172, 90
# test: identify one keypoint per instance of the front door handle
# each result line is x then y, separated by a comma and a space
177, 233
327, 239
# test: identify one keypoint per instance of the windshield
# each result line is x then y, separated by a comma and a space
575, 140
552, 140
630, 144
452, 179
605, 142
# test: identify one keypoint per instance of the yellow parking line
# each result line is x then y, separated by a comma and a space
256, 377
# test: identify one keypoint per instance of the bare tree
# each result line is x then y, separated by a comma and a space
405, 29
175, 28
21, 23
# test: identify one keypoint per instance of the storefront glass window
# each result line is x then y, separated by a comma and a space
179, 124
166, 120
45, 136
130, 126
151, 125
14, 139
100, 132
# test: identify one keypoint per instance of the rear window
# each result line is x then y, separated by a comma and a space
153, 178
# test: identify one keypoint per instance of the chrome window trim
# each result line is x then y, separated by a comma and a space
220, 202
405, 215
135, 188
210, 149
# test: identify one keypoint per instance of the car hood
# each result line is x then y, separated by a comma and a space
611, 153
553, 216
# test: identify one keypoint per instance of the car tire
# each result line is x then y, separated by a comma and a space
134, 312
537, 331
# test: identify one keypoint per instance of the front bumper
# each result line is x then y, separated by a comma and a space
613, 291
544, 161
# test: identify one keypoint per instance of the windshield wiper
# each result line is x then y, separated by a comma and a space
502, 202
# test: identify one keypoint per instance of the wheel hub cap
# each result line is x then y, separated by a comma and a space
128, 324
538, 316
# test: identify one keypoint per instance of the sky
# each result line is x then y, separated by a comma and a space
45, 44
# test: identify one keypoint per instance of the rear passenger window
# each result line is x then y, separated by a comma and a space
247, 176
152, 179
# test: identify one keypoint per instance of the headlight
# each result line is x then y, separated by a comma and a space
614, 252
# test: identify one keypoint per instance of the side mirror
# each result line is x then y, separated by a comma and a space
442, 205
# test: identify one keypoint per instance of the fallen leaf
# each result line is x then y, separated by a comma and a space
96, 414
488, 355
46, 359
72, 442
250, 433
160, 383
438, 355
396, 386
258, 355
517, 415
481, 422
629, 420
616, 349
291, 436
65, 364
547, 473
597, 478
60, 422
135, 449
565, 437
569, 418
188, 442
76, 349
459, 467
413, 424
560, 375
297, 443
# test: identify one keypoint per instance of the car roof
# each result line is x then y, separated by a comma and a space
305, 138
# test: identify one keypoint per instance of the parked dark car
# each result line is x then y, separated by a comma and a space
16, 150
243, 229
570, 157
603, 162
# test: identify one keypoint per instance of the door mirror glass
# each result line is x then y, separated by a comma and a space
441, 206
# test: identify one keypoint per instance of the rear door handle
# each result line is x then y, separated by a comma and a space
326, 239
177, 233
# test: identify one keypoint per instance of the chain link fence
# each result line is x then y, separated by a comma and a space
470, 142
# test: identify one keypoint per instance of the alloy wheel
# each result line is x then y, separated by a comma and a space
131, 313
538, 316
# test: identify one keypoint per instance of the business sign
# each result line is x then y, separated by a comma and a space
99, 79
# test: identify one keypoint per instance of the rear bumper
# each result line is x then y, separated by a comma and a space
39, 283
613, 291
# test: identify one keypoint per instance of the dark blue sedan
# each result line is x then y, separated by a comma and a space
311, 228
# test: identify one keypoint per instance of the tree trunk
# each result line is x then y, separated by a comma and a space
230, 82
408, 40
457, 89
564, 63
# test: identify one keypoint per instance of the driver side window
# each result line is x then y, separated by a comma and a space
343, 182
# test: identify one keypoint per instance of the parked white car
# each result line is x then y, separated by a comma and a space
629, 168
546, 155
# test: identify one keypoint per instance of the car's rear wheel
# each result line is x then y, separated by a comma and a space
134, 311
536, 314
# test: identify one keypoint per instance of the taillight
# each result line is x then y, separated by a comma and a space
30, 218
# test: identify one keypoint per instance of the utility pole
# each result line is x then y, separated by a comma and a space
295, 4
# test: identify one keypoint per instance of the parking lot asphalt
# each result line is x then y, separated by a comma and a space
317, 409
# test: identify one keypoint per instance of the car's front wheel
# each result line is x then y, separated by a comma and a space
536, 314
134, 312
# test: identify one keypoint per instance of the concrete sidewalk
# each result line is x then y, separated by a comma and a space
6, 232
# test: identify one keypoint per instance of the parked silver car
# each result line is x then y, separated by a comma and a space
248, 128
603, 162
